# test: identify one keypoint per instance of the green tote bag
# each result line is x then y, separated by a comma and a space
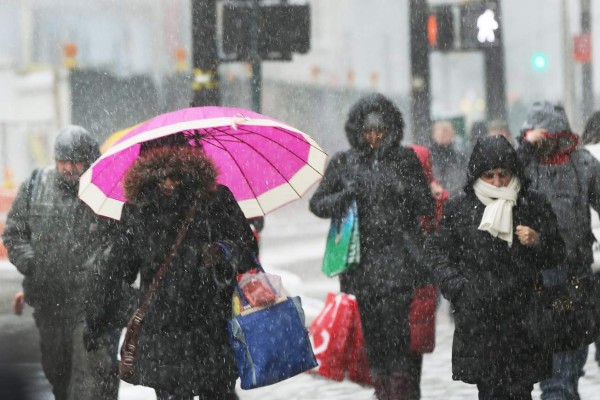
342, 250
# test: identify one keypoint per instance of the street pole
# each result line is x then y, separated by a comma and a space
495, 80
568, 84
255, 61
420, 76
587, 90
205, 58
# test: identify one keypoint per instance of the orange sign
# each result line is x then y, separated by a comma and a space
582, 48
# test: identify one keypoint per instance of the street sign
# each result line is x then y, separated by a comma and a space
582, 48
282, 30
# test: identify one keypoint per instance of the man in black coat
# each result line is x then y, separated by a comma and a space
570, 178
494, 241
387, 182
50, 236
448, 162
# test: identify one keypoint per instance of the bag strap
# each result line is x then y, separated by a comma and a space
165, 265
33, 185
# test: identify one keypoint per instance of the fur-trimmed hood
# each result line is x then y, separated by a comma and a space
189, 165
391, 116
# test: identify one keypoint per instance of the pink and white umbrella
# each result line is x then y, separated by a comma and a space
264, 162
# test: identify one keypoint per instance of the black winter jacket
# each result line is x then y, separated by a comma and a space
183, 346
391, 192
572, 188
490, 283
51, 235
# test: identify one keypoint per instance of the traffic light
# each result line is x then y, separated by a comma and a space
480, 26
539, 61
283, 29
440, 28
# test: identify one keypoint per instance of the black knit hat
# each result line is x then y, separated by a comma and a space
75, 143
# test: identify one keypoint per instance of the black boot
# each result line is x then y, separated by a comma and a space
381, 383
400, 386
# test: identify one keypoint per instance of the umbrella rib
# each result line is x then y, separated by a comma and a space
265, 158
241, 171
237, 139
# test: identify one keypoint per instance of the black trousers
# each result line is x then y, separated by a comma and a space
385, 326
498, 391
56, 332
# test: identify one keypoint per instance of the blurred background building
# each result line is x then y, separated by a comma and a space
130, 59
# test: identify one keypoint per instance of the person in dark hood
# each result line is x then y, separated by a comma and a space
51, 236
494, 240
570, 179
391, 192
183, 348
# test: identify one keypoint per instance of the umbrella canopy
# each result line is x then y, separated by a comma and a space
114, 138
264, 162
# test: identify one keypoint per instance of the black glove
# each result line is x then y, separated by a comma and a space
91, 339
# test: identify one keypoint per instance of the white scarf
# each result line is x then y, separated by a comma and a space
499, 201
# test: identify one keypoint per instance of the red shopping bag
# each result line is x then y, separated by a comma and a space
338, 342
358, 365
422, 320
330, 334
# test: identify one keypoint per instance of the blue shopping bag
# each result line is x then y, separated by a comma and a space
271, 344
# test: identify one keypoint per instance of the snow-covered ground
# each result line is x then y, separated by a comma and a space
292, 246
293, 243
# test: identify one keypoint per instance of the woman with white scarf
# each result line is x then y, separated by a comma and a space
494, 240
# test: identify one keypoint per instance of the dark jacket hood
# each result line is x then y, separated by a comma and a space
553, 118
393, 123
188, 164
546, 115
493, 152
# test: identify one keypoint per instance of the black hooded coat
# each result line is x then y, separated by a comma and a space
183, 346
391, 192
572, 186
489, 282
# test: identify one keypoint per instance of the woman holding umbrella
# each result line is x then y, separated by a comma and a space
390, 189
494, 241
182, 349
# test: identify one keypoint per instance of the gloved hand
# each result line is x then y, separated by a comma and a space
91, 339
215, 253
351, 188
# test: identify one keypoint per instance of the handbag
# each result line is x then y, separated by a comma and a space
269, 343
128, 349
564, 313
422, 319
342, 249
